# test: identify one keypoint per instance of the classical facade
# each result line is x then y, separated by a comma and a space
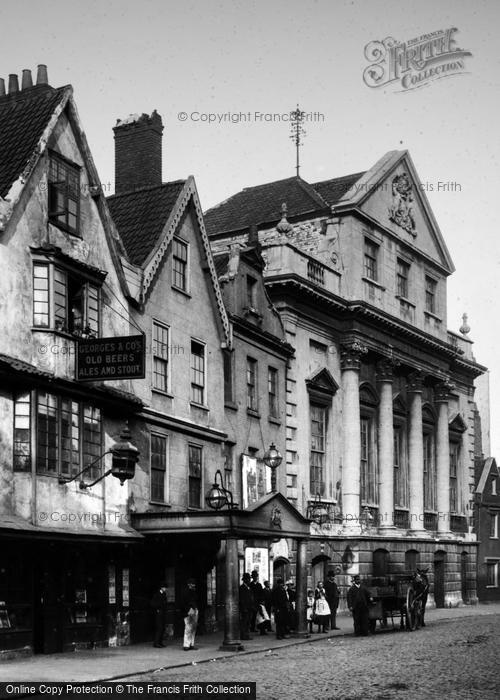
380, 395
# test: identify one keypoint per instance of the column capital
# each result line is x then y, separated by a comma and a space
415, 382
350, 355
442, 391
385, 370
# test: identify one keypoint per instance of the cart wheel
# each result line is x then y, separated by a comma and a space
410, 612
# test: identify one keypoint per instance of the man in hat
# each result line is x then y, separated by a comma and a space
189, 610
159, 605
246, 606
256, 588
332, 594
281, 607
358, 601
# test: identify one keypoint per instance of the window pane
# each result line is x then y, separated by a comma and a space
47, 433
92, 439
272, 386
160, 357
40, 295
179, 264
22, 433
158, 467
317, 451
194, 476
92, 319
197, 372
252, 384
64, 194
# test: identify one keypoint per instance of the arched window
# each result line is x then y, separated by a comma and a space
368, 400
412, 557
380, 563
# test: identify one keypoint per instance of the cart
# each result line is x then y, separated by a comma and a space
397, 596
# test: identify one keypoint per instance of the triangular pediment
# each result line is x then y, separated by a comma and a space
392, 195
276, 515
322, 381
457, 424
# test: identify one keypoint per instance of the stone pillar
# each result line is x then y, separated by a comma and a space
301, 588
351, 435
441, 396
416, 454
385, 446
231, 611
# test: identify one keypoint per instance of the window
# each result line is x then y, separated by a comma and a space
194, 478
430, 295
227, 357
197, 372
180, 264
400, 468
369, 485
494, 526
494, 486
371, 255
251, 292
252, 384
492, 574
402, 276
318, 416
160, 356
454, 471
64, 301
272, 388
429, 473
158, 476
64, 194
68, 435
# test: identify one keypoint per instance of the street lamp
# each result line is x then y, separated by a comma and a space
219, 496
272, 459
123, 462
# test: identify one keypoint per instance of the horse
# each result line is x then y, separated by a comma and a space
421, 583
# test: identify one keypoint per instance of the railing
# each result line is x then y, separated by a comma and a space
316, 272
430, 521
402, 519
458, 523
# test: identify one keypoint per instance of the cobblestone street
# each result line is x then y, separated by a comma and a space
456, 659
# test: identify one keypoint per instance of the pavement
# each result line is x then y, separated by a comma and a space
122, 662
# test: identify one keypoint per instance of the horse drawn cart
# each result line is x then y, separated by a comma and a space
402, 595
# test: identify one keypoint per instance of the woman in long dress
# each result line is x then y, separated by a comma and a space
321, 608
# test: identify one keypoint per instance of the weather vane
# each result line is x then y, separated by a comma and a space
296, 120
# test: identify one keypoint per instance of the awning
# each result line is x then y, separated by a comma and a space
15, 526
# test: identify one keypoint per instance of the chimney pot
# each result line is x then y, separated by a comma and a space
13, 84
27, 80
2, 87
41, 75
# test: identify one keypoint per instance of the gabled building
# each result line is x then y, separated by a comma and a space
64, 579
380, 394
486, 521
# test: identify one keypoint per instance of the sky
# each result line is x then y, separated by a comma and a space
192, 59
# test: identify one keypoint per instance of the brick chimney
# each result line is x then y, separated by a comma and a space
138, 152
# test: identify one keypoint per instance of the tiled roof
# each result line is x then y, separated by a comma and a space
140, 217
13, 363
23, 118
262, 204
220, 262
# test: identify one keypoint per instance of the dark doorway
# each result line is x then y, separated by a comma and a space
439, 578
411, 559
48, 613
320, 566
281, 569
464, 561
380, 563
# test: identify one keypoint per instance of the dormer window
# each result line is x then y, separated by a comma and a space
64, 194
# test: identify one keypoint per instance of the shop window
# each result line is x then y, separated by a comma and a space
64, 194
160, 356
318, 422
197, 372
252, 402
68, 435
194, 476
180, 264
158, 468
64, 301
272, 388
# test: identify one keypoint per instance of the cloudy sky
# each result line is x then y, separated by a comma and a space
209, 57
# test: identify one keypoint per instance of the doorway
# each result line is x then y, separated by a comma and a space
48, 609
439, 578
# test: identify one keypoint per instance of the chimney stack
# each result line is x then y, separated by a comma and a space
13, 84
42, 77
27, 82
138, 141
2, 87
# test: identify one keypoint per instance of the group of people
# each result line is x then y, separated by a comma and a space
257, 602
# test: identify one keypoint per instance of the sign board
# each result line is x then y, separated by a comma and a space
121, 357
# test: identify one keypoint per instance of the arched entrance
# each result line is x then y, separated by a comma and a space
319, 568
281, 568
464, 562
412, 557
439, 577
380, 563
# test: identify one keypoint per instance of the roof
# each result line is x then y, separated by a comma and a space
23, 119
489, 466
221, 263
140, 217
15, 525
262, 204
12, 363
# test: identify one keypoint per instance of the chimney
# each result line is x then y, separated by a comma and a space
41, 75
13, 84
27, 82
138, 152
2, 87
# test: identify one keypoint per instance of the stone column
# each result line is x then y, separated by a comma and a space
416, 454
385, 446
301, 588
441, 396
231, 611
351, 435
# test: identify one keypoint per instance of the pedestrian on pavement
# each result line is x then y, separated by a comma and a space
281, 607
332, 596
256, 588
159, 605
321, 608
267, 595
358, 602
189, 610
292, 598
310, 609
246, 606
